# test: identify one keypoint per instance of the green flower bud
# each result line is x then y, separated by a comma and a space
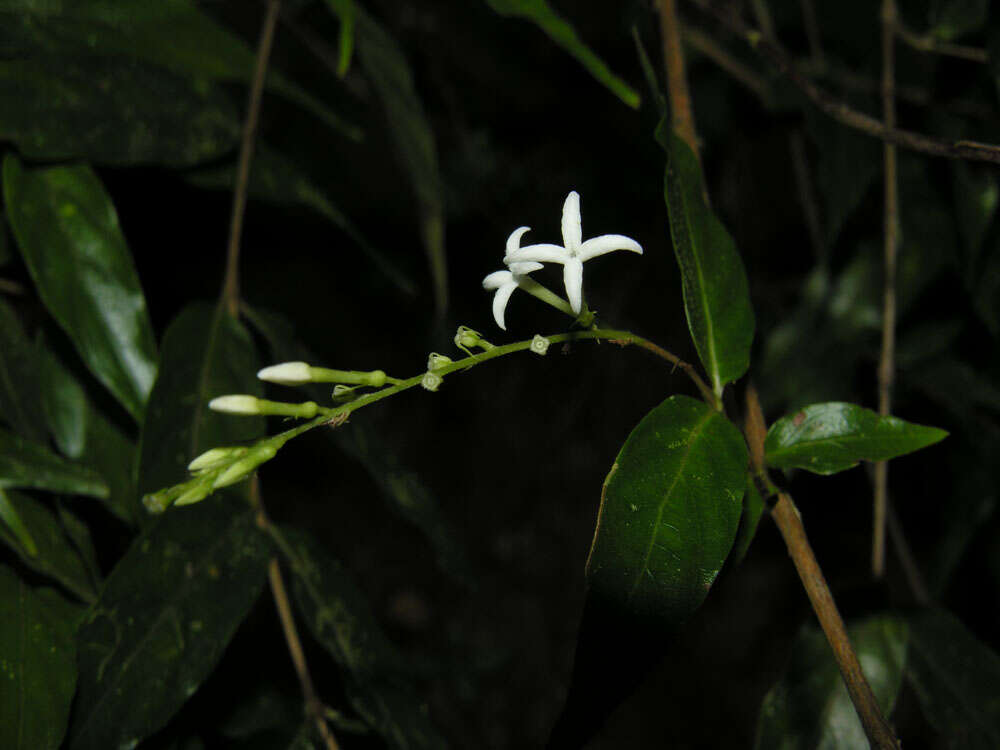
196, 494
435, 360
214, 457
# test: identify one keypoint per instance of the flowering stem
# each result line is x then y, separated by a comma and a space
546, 295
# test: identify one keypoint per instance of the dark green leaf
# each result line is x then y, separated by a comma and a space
79, 534
165, 615
112, 111
831, 437
957, 680
20, 401
753, 508
54, 554
30, 465
810, 708
277, 180
560, 31
205, 354
669, 511
389, 72
953, 18
6, 250
716, 292
68, 233
82, 432
339, 618
37, 664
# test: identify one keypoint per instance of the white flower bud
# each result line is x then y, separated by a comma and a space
235, 404
287, 373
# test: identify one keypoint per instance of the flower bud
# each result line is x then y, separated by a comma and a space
431, 381
235, 404
435, 360
540, 344
287, 373
196, 494
245, 466
155, 502
213, 457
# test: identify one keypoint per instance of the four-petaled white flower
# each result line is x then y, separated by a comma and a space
505, 282
572, 255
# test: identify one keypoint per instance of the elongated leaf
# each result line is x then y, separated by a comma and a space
560, 31
14, 528
205, 354
716, 292
165, 615
30, 465
386, 67
20, 401
339, 618
832, 437
37, 664
82, 432
669, 511
54, 554
957, 680
810, 709
68, 233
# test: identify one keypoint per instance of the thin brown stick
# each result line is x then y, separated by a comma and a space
231, 284
789, 522
707, 393
677, 88
927, 43
886, 366
843, 112
711, 49
906, 560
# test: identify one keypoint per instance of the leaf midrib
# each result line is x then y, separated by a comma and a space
849, 439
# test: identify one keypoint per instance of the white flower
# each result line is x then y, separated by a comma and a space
505, 282
572, 255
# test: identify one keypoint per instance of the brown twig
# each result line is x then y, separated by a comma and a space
789, 522
906, 560
677, 88
843, 112
928, 43
886, 365
231, 284
707, 393
703, 43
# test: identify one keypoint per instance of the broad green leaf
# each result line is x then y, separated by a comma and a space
37, 664
33, 466
54, 554
20, 401
669, 512
832, 437
386, 67
68, 233
753, 508
83, 433
809, 708
954, 18
164, 617
113, 111
560, 31
716, 292
275, 179
374, 674
401, 488
956, 679
205, 354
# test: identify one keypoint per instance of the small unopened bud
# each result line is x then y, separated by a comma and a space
213, 457
465, 338
235, 404
540, 344
435, 360
287, 373
245, 466
155, 502
343, 393
431, 381
375, 378
194, 495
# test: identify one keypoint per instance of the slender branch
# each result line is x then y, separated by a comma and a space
812, 32
886, 366
906, 560
707, 46
677, 88
843, 112
928, 43
230, 284
789, 523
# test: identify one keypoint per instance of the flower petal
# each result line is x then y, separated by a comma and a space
514, 241
539, 253
607, 243
572, 231
573, 279
497, 279
523, 268
500, 302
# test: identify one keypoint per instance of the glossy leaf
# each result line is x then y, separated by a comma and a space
165, 615
54, 554
716, 291
83, 433
753, 508
20, 401
560, 31
389, 72
373, 672
956, 679
669, 512
112, 111
37, 664
810, 709
205, 354
832, 437
68, 233
33, 466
